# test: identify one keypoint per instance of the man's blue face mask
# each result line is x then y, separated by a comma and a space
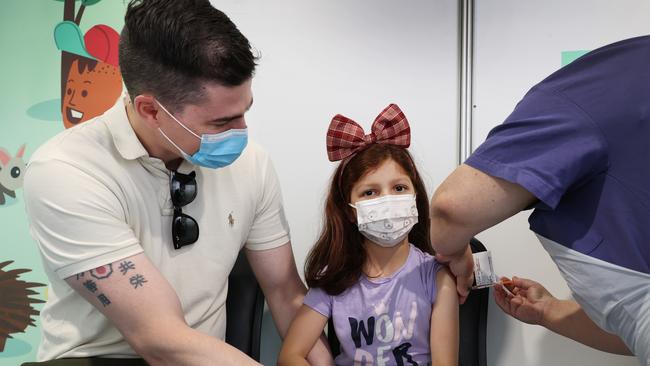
217, 150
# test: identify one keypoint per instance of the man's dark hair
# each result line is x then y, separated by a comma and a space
170, 47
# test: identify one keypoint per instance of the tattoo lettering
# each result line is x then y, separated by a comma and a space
103, 300
91, 286
126, 266
137, 280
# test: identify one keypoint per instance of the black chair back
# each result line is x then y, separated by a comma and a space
472, 349
244, 307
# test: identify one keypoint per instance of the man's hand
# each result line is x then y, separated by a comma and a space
462, 267
529, 303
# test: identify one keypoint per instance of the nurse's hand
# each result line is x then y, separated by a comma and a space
462, 267
531, 301
533, 304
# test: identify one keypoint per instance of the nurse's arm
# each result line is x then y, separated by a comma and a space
567, 318
466, 203
143, 306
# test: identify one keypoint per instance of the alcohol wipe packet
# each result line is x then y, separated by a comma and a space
484, 275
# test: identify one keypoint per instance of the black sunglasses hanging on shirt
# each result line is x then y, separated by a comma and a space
185, 230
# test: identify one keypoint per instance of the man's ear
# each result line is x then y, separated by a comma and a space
146, 107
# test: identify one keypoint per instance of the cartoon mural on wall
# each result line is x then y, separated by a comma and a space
16, 310
11, 173
90, 77
61, 73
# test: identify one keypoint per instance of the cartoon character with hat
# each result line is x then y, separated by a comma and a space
94, 80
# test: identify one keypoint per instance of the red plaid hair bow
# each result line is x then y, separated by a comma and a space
345, 137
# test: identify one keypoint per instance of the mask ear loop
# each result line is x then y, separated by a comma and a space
177, 121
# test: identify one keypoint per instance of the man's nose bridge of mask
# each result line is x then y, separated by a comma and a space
241, 124
230, 125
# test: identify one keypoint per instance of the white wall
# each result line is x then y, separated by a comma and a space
352, 57
517, 44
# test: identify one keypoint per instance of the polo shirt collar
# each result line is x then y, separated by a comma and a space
124, 137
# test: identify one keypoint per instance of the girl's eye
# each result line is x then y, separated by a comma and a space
401, 188
367, 193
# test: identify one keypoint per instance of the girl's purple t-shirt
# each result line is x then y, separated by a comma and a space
384, 321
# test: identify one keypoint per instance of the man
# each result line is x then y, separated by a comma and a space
140, 213
573, 149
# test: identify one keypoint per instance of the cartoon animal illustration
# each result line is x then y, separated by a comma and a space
12, 170
16, 309
93, 82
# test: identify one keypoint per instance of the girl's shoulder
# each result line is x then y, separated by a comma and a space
421, 257
427, 269
425, 264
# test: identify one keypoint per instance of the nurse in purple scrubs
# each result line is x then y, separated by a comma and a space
574, 150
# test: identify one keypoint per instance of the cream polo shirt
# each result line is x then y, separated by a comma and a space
94, 196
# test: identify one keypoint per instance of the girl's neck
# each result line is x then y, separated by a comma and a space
382, 261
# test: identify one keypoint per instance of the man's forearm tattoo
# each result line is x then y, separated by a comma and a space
126, 266
137, 281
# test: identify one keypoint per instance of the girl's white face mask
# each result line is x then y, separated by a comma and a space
387, 220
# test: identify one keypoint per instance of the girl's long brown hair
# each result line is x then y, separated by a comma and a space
335, 262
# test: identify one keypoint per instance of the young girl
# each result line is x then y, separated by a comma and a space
371, 271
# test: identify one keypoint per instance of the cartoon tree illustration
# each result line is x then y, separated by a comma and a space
69, 15
16, 309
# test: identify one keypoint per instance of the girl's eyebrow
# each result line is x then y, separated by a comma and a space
404, 179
